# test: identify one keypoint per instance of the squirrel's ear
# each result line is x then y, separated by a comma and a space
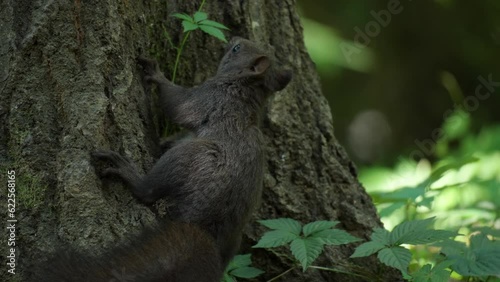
280, 79
260, 65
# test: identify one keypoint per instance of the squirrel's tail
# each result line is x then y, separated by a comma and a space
173, 252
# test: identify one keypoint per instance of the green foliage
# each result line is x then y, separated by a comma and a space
460, 189
240, 267
200, 21
438, 273
191, 23
480, 258
418, 194
306, 242
387, 244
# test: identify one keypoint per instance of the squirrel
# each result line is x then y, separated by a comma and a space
213, 177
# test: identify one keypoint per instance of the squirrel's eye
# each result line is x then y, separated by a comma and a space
236, 48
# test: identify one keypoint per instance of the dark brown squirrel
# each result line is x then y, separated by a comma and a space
214, 177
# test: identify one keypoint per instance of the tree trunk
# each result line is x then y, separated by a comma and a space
69, 85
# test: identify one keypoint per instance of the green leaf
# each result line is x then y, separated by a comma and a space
246, 272
423, 274
317, 226
408, 230
334, 237
455, 165
240, 267
451, 247
387, 211
381, 236
240, 261
438, 273
430, 236
275, 238
188, 26
417, 232
228, 278
214, 24
183, 17
397, 257
481, 241
404, 194
215, 32
286, 224
200, 16
487, 230
306, 250
367, 249
482, 258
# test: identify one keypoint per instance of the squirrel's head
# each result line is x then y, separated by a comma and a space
245, 60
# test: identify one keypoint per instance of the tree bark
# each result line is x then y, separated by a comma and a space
69, 85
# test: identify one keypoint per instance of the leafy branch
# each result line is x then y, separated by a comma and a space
387, 244
240, 267
198, 21
306, 242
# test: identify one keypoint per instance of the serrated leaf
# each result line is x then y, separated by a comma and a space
334, 237
404, 194
481, 241
367, 249
426, 201
455, 165
246, 272
240, 261
317, 226
390, 209
423, 274
397, 257
438, 273
200, 16
275, 238
306, 250
430, 236
228, 278
442, 265
408, 230
381, 236
188, 26
183, 17
215, 32
451, 247
214, 24
482, 258
488, 230
286, 224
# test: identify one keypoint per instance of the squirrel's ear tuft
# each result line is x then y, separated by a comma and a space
281, 79
260, 65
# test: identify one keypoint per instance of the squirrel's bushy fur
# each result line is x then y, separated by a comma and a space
173, 252
213, 178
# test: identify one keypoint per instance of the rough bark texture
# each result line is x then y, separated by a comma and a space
69, 85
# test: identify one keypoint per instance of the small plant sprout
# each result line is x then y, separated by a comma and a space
240, 267
191, 23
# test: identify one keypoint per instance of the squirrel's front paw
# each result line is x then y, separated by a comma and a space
120, 165
151, 69
149, 66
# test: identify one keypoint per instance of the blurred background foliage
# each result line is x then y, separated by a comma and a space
414, 88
